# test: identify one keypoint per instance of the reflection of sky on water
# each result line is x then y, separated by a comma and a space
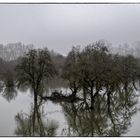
134, 130
22, 103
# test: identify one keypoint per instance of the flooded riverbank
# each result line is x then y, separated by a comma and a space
69, 119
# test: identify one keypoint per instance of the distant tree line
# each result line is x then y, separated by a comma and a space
95, 71
89, 72
101, 80
15, 55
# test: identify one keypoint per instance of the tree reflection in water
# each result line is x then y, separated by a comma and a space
105, 119
35, 124
9, 93
8, 88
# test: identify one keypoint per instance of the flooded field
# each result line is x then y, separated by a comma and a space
21, 116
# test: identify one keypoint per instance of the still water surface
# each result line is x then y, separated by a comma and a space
63, 116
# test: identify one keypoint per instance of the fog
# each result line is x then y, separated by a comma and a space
60, 26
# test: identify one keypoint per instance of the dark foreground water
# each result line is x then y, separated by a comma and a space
20, 116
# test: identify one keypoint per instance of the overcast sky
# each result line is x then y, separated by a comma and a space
60, 26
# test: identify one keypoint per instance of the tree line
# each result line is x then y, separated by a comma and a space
89, 72
95, 71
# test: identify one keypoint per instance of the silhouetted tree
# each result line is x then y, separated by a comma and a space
34, 69
70, 71
92, 68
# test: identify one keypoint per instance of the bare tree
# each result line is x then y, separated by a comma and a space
34, 69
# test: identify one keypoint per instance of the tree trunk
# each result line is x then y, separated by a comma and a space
108, 100
84, 93
91, 96
75, 90
74, 93
35, 97
125, 86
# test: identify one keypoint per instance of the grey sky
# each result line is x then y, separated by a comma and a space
60, 26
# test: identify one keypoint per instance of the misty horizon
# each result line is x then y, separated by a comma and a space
61, 26
69, 70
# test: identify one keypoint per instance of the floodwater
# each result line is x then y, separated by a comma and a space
67, 119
